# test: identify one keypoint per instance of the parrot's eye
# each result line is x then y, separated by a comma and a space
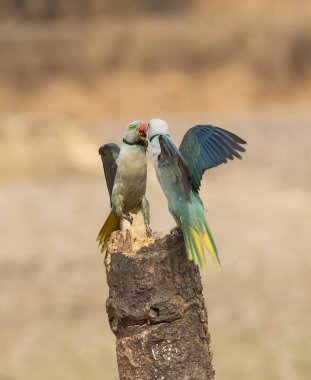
131, 127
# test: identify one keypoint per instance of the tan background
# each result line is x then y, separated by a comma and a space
73, 74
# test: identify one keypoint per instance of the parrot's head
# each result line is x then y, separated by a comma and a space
136, 132
157, 127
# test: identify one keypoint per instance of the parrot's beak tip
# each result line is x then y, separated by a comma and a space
143, 135
143, 129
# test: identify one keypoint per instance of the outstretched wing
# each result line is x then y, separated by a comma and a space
172, 160
109, 154
205, 146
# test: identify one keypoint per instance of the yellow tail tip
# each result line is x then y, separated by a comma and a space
210, 247
111, 224
197, 249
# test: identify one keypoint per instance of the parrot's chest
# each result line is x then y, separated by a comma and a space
131, 178
134, 177
169, 180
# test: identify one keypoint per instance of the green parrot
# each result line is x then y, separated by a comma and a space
126, 175
180, 171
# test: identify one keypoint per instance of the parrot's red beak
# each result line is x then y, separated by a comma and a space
143, 129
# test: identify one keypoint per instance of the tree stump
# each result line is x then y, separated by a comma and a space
156, 309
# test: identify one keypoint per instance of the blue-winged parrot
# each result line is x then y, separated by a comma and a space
126, 175
180, 171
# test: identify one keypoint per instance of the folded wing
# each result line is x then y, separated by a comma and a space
172, 159
205, 146
109, 154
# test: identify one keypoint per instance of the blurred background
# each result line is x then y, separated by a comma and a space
73, 74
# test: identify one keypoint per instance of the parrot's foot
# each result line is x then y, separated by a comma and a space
175, 231
127, 217
148, 230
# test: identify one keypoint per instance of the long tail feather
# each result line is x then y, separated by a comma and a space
111, 224
210, 245
198, 247
187, 244
194, 245
194, 251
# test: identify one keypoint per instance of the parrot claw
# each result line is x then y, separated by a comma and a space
175, 231
127, 217
148, 231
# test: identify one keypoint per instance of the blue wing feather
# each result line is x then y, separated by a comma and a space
205, 146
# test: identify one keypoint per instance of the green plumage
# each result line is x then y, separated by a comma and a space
180, 172
126, 176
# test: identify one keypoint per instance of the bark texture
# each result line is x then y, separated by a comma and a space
157, 312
